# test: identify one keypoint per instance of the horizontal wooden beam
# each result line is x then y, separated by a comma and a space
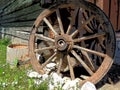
27, 17
18, 24
25, 14
5, 3
18, 5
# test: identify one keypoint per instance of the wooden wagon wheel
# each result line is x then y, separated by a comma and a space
76, 37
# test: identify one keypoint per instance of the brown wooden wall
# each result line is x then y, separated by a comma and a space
24, 12
18, 12
112, 10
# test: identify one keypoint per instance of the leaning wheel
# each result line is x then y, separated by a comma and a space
78, 38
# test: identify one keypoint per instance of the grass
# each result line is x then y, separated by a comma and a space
16, 78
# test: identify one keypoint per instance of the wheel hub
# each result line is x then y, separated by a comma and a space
63, 42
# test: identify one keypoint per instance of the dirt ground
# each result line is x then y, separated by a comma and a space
112, 80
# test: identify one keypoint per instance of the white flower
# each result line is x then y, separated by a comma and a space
37, 82
4, 65
51, 87
21, 77
16, 82
4, 84
3, 72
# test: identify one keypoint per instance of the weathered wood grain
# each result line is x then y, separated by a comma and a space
18, 5
113, 13
118, 16
26, 17
18, 24
5, 3
23, 11
26, 11
29, 13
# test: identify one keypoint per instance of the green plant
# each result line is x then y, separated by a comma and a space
16, 78
43, 85
5, 41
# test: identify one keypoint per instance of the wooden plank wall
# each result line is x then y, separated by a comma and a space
18, 16
112, 10
18, 12
24, 12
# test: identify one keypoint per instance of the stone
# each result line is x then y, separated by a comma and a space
66, 79
44, 76
33, 74
51, 66
88, 86
56, 79
71, 85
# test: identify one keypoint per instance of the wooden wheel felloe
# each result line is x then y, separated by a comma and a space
76, 37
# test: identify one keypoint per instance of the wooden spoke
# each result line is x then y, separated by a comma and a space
50, 26
45, 48
74, 33
87, 57
89, 19
84, 25
90, 51
60, 64
59, 21
82, 62
42, 37
100, 26
80, 17
48, 60
100, 50
86, 17
88, 29
85, 14
71, 68
92, 44
89, 60
89, 37
72, 20
101, 41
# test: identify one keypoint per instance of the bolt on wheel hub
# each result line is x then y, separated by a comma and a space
63, 42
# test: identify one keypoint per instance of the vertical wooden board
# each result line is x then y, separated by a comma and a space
106, 6
113, 14
99, 3
119, 17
